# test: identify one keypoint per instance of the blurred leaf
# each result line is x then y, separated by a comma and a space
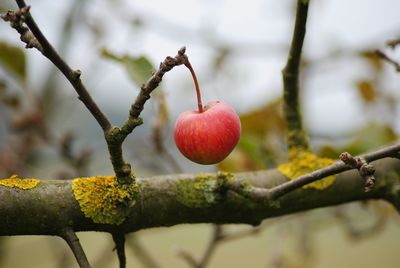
160, 121
138, 68
329, 151
13, 59
236, 162
260, 143
373, 59
11, 100
367, 90
223, 54
260, 122
371, 137
137, 22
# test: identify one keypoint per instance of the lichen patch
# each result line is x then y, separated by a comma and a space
22, 183
103, 200
303, 162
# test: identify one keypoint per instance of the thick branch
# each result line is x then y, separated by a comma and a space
296, 135
186, 198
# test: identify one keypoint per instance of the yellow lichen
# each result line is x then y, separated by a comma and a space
303, 162
16, 182
103, 200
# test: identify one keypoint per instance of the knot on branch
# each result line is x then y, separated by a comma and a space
171, 62
17, 20
365, 170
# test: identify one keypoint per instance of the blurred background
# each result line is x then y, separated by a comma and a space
350, 101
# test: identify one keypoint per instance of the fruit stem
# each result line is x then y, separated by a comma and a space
196, 85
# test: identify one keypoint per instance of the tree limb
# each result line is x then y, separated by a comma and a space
296, 136
188, 198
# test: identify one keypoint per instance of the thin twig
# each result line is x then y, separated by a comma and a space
187, 256
296, 136
119, 239
218, 236
226, 237
116, 136
385, 57
73, 76
73, 242
263, 194
148, 87
335, 168
393, 43
357, 233
215, 239
142, 255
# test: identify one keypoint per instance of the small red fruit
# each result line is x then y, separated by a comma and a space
207, 137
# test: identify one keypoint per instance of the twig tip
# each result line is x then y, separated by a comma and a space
182, 50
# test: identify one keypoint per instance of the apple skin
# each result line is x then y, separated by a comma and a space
208, 137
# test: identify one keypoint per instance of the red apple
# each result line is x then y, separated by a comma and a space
207, 136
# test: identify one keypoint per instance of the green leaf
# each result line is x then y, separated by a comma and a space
138, 68
367, 90
13, 59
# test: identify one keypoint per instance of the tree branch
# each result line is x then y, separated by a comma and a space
335, 168
141, 254
296, 136
73, 76
196, 198
73, 242
216, 237
148, 87
385, 57
114, 136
